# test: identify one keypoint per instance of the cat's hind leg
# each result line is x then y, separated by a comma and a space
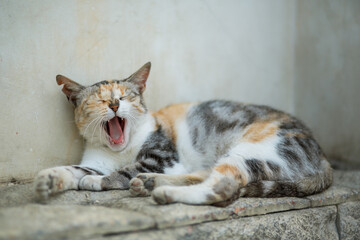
224, 181
144, 183
54, 180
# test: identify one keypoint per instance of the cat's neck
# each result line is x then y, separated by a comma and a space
138, 133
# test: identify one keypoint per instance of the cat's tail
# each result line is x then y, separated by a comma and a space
303, 187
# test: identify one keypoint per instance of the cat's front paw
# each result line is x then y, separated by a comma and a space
48, 182
137, 188
142, 184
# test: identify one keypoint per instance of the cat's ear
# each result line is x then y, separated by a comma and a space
140, 76
71, 89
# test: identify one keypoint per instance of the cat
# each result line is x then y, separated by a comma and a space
211, 152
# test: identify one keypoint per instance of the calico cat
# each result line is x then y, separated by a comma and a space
197, 153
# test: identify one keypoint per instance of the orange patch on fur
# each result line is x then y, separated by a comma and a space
104, 92
168, 116
108, 87
227, 169
258, 131
122, 88
191, 180
139, 109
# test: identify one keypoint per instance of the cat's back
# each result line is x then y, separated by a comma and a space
228, 118
220, 119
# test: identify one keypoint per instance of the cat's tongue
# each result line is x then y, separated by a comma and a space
116, 134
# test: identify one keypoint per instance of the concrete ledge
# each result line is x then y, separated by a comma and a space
34, 221
317, 223
112, 213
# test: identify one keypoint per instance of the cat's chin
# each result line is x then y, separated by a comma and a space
117, 147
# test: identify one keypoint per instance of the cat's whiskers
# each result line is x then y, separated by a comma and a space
98, 123
99, 126
102, 130
94, 120
131, 118
87, 126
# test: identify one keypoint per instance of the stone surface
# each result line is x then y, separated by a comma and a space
257, 206
34, 221
318, 223
17, 195
350, 179
174, 214
182, 214
334, 195
112, 214
349, 220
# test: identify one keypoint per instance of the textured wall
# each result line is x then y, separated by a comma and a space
240, 50
328, 74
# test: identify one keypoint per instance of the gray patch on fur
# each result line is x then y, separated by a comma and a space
213, 120
215, 125
158, 152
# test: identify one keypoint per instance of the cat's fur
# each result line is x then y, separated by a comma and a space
197, 153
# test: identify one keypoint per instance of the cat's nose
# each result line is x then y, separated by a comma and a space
114, 106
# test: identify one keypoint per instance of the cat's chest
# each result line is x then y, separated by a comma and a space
106, 160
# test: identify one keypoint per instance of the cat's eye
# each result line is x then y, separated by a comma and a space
121, 98
102, 101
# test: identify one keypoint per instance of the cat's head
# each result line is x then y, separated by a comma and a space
108, 112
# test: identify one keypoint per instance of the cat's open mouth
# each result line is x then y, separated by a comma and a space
115, 130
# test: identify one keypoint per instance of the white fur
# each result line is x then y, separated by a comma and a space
90, 182
191, 159
102, 159
264, 149
195, 194
177, 168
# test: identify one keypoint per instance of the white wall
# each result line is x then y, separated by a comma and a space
327, 74
240, 50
